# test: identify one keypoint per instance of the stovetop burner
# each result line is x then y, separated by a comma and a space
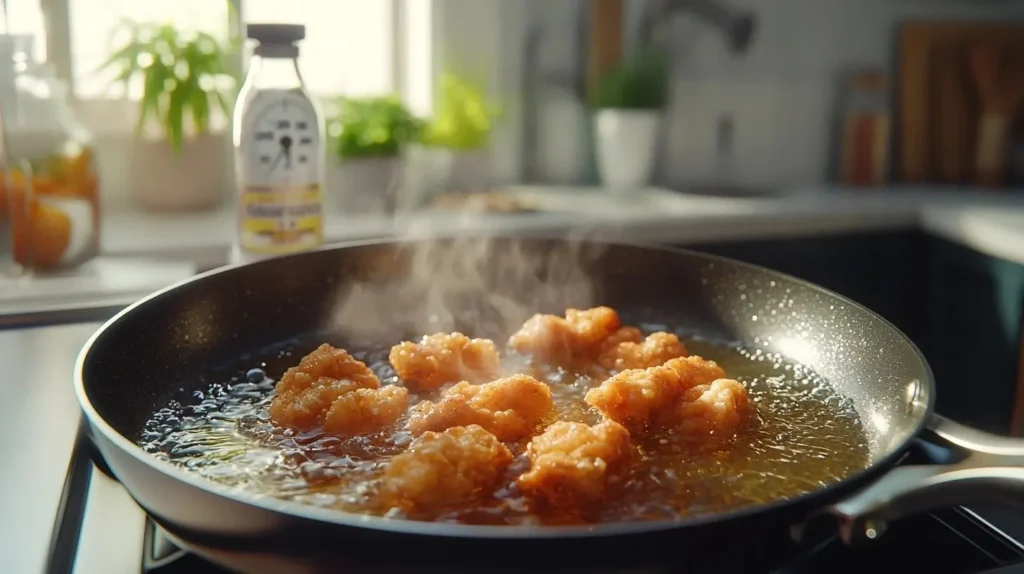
954, 541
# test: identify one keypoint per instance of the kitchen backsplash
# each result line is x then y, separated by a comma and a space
781, 94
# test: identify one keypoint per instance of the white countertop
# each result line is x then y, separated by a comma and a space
104, 282
38, 420
992, 223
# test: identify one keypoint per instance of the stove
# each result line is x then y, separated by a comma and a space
954, 541
99, 529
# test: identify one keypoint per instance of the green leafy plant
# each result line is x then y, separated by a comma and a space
371, 127
638, 83
463, 116
183, 77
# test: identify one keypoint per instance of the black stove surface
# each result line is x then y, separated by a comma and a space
954, 541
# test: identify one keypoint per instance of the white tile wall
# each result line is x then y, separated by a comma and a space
781, 93
778, 128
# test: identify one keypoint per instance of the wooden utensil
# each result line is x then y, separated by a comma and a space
604, 50
1000, 90
932, 135
952, 116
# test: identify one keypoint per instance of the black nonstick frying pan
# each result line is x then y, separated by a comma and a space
163, 348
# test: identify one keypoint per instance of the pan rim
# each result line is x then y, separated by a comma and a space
293, 510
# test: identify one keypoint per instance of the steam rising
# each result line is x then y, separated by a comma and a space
479, 284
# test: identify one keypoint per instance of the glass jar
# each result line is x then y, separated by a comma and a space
49, 190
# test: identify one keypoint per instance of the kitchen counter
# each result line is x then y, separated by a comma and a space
988, 222
38, 420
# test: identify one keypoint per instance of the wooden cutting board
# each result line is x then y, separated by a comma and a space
938, 103
952, 105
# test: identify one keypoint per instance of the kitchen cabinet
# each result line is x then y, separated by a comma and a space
973, 320
962, 308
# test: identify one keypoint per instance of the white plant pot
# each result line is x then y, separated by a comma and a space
626, 141
433, 170
426, 173
163, 181
366, 186
562, 149
470, 171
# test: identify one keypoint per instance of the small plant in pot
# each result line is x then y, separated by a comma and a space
629, 100
367, 137
454, 146
178, 161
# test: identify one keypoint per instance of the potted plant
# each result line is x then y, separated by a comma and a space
367, 137
178, 160
454, 146
629, 100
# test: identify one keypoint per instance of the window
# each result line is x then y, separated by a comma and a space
24, 17
95, 27
352, 47
349, 45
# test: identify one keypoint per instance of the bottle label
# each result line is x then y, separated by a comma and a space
277, 221
280, 167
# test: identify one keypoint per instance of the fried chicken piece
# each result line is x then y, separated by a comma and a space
570, 462
718, 409
511, 408
444, 468
545, 337
656, 396
444, 358
628, 350
622, 335
365, 411
307, 390
578, 336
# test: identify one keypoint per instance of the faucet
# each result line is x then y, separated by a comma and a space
735, 24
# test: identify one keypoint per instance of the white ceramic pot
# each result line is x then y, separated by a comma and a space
192, 180
626, 141
470, 171
433, 170
563, 142
426, 173
366, 186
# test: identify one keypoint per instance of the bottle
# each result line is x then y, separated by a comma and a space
279, 158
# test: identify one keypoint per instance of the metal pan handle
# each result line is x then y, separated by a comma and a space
990, 470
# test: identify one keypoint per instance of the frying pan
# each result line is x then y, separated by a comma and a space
163, 348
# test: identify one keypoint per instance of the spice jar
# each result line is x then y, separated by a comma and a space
49, 192
866, 126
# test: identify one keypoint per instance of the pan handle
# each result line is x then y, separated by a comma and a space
991, 470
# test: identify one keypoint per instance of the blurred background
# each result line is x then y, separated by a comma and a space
873, 146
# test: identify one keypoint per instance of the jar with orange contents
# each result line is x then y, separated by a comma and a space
49, 189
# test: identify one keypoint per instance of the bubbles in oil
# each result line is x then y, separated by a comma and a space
806, 436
